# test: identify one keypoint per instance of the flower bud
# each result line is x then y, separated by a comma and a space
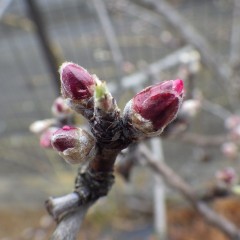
189, 108
230, 150
151, 110
73, 144
45, 138
60, 108
76, 82
234, 134
41, 125
227, 176
232, 122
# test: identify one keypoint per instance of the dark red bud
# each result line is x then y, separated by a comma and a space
45, 138
75, 145
76, 82
159, 103
64, 138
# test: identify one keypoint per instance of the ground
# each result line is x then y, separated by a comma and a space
183, 224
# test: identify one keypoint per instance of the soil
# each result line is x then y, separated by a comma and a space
183, 224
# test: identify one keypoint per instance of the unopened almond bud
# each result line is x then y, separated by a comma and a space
151, 110
227, 176
234, 134
60, 108
77, 87
76, 82
189, 108
230, 150
45, 138
232, 121
41, 125
75, 145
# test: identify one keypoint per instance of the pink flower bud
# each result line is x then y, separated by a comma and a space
232, 122
227, 176
73, 144
45, 138
77, 83
60, 108
189, 108
230, 150
155, 107
41, 125
234, 134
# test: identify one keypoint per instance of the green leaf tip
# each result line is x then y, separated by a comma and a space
100, 90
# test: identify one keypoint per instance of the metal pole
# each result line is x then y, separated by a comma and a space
159, 193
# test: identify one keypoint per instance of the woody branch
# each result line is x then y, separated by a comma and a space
145, 115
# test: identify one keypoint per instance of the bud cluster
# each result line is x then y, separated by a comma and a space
145, 115
45, 128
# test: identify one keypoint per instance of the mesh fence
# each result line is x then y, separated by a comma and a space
75, 34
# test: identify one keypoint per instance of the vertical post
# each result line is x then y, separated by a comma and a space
159, 193
50, 58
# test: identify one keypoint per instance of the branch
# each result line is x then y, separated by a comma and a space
193, 37
170, 60
111, 37
111, 132
138, 78
137, 11
69, 227
215, 109
177, 183
202, 140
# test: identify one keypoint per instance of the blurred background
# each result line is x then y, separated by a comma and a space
130, 44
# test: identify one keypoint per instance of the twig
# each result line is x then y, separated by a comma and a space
177, 183
111, 37
203, 140
60, 205
69, 227
137, 11
50, 58
126, 161
192, 36
215, 109
140, 77
154, 68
